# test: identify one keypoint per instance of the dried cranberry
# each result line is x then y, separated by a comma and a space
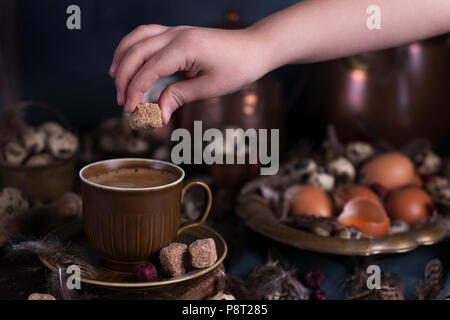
145, 272
314, 279
380, 190
319, 295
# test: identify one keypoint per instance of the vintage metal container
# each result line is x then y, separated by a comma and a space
42, 183
47, 182
395, 95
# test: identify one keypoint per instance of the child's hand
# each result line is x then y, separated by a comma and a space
215, 62
221, 61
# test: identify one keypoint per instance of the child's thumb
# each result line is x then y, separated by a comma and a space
180, 93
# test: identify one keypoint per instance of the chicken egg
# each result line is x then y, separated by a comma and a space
310, 200
410, 204
391, 170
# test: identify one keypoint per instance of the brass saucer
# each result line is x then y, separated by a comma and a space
72, 234
259, 217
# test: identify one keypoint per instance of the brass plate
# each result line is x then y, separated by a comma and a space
73, 235
259, 217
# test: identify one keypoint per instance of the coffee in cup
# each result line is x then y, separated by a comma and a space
132, 208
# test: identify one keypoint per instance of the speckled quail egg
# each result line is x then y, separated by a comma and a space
39, 160
445, 195
427, 162
436, 185
358, 152
14, 153
34, 140
321, 179
136, 145
299, 168
222, 296
398, 226
350, 233
52, 128
305, 166
342, 168
12, 200
63, 146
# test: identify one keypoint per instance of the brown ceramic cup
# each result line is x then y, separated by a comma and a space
129, 225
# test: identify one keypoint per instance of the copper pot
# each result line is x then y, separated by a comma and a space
397, 94
258, 105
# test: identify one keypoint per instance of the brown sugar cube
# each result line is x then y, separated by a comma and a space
174, 259
146, 116
203, 253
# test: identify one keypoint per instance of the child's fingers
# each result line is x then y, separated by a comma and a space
164, 63
182, 92
135, 36
133, 61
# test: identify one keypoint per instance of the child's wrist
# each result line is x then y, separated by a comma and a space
266, 49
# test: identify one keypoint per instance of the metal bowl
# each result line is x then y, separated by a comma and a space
41, 183
259, 217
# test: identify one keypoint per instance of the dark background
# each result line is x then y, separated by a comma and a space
69, 68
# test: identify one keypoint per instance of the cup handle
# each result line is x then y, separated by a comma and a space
199, 221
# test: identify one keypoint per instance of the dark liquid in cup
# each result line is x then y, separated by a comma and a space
134, 178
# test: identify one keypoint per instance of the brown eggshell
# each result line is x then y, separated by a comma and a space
346, 193
417, 181
410, 204
366, 215
391, 170
310, 200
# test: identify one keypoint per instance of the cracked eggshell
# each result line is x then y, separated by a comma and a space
367, 216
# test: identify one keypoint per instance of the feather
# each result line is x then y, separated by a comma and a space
270, 282
390, 286
59, 254
431, 287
